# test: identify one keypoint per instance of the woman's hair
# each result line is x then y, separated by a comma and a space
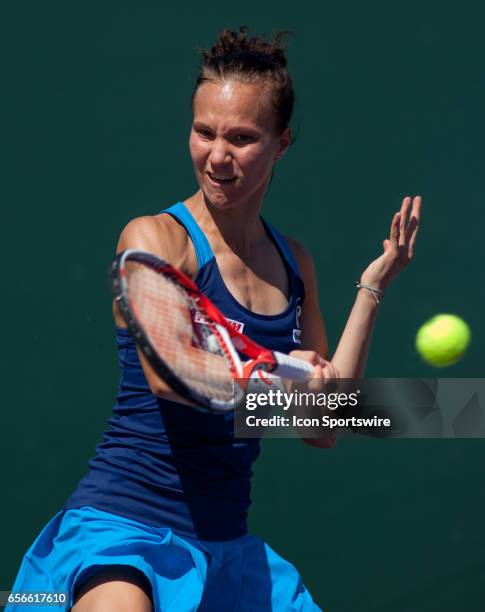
254, 61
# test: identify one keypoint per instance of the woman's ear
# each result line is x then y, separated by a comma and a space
285, 140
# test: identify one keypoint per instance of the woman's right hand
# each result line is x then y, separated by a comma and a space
323, 370
324, 379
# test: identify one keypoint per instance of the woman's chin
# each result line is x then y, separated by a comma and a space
222, 201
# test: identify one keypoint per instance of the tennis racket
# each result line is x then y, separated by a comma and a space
186, 339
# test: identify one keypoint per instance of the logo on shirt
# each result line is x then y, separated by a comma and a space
202, 320
297, 331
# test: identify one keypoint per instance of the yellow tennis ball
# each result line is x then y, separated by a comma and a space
442, 340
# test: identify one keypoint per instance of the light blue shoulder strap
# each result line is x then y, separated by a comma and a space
283, 247
202, 247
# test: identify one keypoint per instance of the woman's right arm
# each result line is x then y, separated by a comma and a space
159, 236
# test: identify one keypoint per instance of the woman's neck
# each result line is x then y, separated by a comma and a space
239, 228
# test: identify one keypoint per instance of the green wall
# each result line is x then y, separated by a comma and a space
95, 118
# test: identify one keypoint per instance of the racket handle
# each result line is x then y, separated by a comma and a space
289, 367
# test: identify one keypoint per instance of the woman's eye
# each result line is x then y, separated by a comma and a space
243, 138
204, 133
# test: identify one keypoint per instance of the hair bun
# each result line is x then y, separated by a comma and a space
237, 45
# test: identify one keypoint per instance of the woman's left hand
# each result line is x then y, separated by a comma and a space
398, 249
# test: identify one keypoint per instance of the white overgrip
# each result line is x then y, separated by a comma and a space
289, 367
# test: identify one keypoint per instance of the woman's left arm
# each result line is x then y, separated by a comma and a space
350, 357
398, 250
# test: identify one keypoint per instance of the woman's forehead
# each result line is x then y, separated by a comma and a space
233, 102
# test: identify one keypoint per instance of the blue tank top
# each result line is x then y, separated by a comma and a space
170, 465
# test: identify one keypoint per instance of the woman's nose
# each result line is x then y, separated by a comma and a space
219, 153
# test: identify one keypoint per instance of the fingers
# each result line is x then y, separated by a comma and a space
416, 210
394, 234
406, 203
410, 213
318, 372
310, 356
323, 369
324, 378
412, 230
330, 371
326, 371
404, 227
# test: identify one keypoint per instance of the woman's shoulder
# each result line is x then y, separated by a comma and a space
301, 255
161, 235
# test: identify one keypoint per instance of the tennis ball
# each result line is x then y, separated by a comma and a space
442, 340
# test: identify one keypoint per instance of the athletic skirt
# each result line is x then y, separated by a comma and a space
185, 574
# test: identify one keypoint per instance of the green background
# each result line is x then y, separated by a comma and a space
95, 118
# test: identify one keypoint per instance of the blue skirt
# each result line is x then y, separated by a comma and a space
185, 574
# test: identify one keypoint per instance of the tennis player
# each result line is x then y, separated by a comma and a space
159, 521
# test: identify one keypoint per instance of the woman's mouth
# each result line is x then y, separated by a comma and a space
221, 179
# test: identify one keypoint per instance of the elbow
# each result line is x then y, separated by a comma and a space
158, 389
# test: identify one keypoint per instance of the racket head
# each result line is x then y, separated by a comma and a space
165, 313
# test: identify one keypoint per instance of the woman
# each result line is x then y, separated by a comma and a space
160, 519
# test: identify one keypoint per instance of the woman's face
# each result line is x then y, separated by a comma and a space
234, 142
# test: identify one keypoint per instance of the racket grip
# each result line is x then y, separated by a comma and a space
289, 367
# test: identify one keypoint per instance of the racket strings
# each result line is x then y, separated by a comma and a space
182, 340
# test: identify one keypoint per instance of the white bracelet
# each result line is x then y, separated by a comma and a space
373, 290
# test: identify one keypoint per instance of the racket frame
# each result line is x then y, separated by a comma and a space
230, 339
